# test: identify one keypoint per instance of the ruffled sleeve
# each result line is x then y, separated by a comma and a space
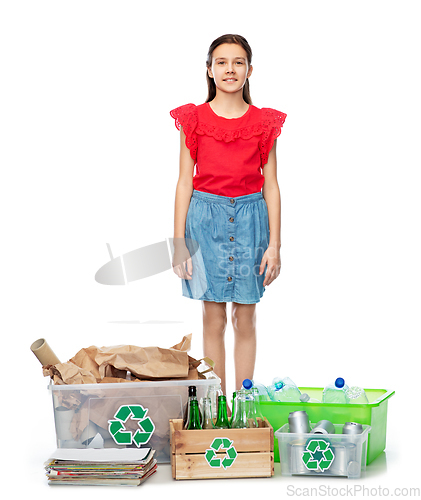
186, 117
272, 122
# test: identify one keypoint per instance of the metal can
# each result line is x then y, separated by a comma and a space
323, 427
299, 422
295, 453
345, 453
352, 428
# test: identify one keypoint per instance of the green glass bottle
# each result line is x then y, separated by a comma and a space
222, 421
234, 395
192, 395
194, 416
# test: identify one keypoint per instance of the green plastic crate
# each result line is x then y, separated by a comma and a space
373, 413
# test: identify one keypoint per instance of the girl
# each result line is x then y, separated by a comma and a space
226, 228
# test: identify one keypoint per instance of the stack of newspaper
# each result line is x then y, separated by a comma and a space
100, 467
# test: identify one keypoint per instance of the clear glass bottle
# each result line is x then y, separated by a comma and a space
213, 392
222, 421
194, 416
207, 422
257, 410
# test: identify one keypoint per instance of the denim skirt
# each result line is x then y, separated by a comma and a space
227, 238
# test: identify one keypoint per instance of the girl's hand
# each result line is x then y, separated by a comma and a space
271, 258
182, 262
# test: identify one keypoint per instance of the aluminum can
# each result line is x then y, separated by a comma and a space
352, 428
295, 453
299, 422
344, 454
323, 427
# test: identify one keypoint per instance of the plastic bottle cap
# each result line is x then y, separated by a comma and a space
304, 398
279, 385
247, 384
339, 382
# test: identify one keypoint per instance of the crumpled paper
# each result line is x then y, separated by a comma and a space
122, 365
128, 363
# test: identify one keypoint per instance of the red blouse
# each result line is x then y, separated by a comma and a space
229, 153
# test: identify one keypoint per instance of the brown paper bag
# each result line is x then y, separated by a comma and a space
70, 373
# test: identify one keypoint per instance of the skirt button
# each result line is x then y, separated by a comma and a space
229, 278
232, 200
231, 238
231, 258
231, 219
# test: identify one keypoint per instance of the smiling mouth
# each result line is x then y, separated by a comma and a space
230, 80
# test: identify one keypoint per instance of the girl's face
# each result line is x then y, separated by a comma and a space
230, 67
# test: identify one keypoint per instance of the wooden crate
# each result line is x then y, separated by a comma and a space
221, 453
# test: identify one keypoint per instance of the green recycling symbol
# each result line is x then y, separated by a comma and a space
230, 455
134, 412
318, 455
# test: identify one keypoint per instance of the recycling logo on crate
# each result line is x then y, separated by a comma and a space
318, 456
134, 412
221, 444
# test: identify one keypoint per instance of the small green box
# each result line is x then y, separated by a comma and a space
373, 413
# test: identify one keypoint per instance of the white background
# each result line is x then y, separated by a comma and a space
89, 156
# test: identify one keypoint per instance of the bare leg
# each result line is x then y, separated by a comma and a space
244, 325
214, 326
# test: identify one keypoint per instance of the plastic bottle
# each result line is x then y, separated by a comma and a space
213, 392
262, 391
336, 393
251, 404
284, 390
305, 398
356, 395
244, 414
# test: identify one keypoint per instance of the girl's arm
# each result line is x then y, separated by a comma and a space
272, 197
183, 194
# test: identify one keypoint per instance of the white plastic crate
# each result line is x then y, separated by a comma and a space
322, 454
134, 414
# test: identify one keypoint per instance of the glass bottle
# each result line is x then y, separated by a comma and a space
192, 396
257, 410
207, 422
234, 395
213, 392
194, 417
239, 416
222, 421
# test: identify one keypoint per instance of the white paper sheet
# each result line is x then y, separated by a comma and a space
115, 455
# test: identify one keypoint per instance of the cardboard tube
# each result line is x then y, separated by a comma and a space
43, 352
63, 417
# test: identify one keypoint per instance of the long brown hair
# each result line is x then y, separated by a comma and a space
239, 40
